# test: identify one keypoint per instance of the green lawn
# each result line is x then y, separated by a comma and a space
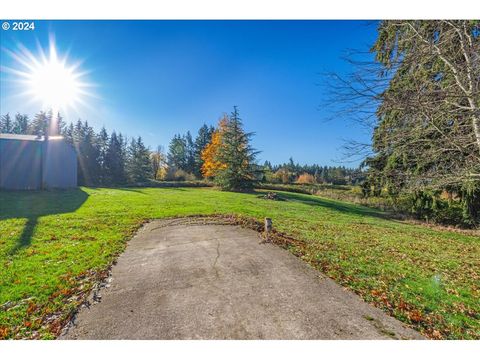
54, 244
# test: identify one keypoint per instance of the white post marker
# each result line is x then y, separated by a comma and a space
268, 227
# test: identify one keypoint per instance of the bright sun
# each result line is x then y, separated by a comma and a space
49, 80
54, 84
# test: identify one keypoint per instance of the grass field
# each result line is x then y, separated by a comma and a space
53, 245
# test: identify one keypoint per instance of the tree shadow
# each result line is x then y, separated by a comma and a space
335, 205
140, 191
32, 205
131, 190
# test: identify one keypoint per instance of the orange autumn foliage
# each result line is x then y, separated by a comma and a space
209, 154
306, 179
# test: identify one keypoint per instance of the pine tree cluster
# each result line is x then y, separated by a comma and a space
184, 153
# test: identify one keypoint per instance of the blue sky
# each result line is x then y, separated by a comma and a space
158, 78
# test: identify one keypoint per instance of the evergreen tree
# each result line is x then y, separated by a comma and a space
39, 124
203, 138
317, 176
177, 153
114, 161
291, 165
91, 153
268, 175
59, 127
68, 133
85, 143
123, 154
238, 156
6, 124
138, 162
20, 126
130, 165
189, 154
103, 143
78, 132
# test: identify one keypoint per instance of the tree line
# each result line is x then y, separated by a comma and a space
222, 154
291, 172
114, 159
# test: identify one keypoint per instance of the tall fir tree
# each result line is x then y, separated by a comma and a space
203, 138
59, 125
189, 154
84, 138
6, 125
177, 153
114, 161
123, 154
68, 133
139, 169
20, 125
238, 156
39, 124
102, 143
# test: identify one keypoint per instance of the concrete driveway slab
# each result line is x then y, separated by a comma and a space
192, 281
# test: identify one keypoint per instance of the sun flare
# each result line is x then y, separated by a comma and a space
49, 80
54, 84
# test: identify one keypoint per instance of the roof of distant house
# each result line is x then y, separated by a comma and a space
28, 137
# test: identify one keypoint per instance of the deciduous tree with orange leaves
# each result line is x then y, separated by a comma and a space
211, 165
306, 178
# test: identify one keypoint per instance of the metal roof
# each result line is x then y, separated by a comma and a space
28, 137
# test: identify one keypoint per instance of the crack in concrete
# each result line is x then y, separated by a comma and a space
214, 266
191, 242
381, 327
193, 221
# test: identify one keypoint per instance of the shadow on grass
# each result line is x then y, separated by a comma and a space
122, 188
131, 190
137, 190
335, 205
32, 205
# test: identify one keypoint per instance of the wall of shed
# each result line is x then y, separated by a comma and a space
20, 164
35, 165
59, 165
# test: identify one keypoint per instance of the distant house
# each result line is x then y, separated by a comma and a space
29, 162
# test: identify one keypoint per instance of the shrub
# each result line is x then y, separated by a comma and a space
179, 175
306, 178
283, 176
